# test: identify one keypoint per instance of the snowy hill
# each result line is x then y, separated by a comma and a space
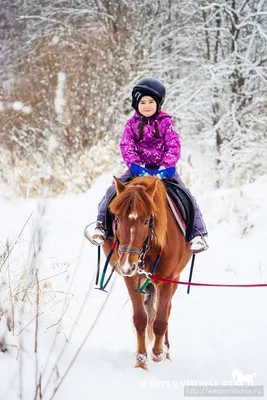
213, 331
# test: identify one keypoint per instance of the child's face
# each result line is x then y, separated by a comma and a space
147, 106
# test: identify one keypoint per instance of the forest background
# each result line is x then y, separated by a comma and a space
66, 73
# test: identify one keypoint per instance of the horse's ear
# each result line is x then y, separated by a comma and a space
153, 187
119, 185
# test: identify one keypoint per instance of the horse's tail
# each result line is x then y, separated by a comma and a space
150, 307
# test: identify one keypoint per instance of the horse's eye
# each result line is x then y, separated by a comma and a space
146, 222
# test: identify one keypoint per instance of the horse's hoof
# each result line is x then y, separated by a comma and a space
159, 356
168, 356
141, 361
141, 364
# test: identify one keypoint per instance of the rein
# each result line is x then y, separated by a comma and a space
103, 284
150, 275
141, 262
159, 278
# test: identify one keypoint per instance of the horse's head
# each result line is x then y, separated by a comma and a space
135, 208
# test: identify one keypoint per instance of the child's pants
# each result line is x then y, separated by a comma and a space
199, 224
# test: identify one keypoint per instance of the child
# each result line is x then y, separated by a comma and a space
149, 140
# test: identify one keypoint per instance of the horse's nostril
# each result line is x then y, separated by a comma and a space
133, 267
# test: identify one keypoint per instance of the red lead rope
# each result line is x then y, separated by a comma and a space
159, 278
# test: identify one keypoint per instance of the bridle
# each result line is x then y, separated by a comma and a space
126, 248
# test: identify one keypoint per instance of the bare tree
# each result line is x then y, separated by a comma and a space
68, 66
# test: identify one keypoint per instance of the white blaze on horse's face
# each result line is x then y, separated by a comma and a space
128, 267
133, 216
132, 230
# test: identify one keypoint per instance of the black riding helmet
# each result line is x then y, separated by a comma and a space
148, 87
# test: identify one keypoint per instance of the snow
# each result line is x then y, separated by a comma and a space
59, 100
55, 40
17, 106
27, 109
216, 334
52, 143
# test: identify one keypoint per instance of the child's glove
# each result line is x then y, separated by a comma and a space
161, 173
137, 170
164, 173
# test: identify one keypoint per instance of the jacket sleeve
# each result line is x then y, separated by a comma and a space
127, 146
172, 147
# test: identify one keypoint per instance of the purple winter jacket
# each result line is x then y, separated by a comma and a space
150, 151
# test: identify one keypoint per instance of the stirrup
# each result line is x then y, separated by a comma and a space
204, 244
88, 235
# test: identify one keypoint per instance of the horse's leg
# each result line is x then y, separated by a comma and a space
164, 296
150, 308
166, 342
140, 321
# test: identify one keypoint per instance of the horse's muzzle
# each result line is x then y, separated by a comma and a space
126, 265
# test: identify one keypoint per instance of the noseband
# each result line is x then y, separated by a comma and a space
125, 248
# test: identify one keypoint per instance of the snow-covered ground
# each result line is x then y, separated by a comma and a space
213, 331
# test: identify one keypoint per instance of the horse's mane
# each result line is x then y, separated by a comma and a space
140, 196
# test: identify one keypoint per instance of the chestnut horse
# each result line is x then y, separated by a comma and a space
136, 205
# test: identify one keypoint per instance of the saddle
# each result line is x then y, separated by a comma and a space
180, 203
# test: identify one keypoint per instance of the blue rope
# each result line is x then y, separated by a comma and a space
102, 286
